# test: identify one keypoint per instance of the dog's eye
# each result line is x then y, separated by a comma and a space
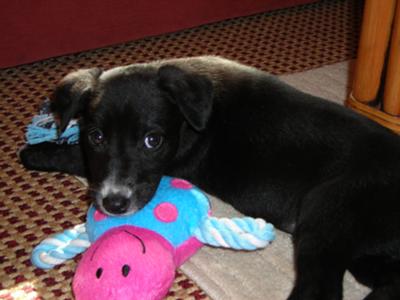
96, 137
153, 141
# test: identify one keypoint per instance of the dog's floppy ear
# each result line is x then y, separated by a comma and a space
71, 95
191, 92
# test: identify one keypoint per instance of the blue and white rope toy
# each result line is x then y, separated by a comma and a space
179, 212
237, 233
60, 247
43, 129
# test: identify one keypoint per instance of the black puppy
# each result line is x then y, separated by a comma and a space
313, 168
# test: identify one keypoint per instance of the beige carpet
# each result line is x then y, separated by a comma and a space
267, 274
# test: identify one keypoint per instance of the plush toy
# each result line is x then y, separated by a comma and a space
135, 256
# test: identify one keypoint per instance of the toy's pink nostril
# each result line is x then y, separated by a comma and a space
181, 184
98, 216
166, 212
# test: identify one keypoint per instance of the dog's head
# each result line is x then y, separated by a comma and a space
130, 126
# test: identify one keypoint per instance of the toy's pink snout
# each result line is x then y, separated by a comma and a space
125, 263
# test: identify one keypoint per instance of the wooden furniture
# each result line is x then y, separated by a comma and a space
379, 45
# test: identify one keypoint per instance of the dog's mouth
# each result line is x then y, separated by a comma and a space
117, 204
120, 197
122, 200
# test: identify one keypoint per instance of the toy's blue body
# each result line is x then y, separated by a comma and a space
192, 209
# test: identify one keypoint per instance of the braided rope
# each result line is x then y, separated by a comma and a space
237, 233
43, 129
60, 247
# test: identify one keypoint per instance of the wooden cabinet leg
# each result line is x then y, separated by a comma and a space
391, 99
376, 28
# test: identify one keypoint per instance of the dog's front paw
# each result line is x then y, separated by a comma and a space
52, 157
33, 157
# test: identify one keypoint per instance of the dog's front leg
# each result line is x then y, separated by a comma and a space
52, 157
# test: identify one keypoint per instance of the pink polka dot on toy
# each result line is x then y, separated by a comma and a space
166, 212
181, 184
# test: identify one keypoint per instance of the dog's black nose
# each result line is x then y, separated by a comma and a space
116, 204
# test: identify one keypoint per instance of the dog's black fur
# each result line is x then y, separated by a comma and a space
311, 167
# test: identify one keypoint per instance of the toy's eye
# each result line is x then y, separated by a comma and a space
153, 141
96, 136
125, 270
99, 272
